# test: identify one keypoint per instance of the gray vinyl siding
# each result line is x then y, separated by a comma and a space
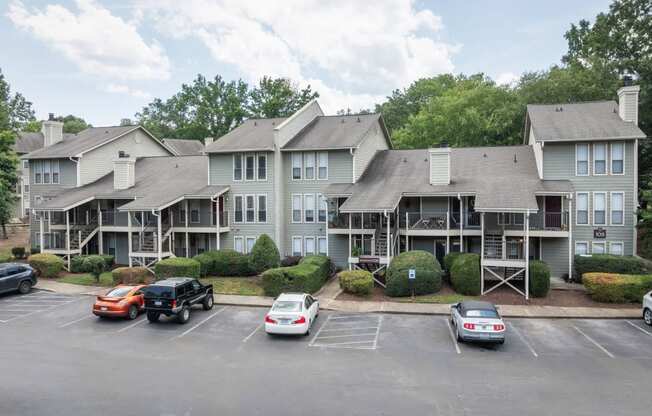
554, 252
121, 247
338, 247
559, 163
373, 142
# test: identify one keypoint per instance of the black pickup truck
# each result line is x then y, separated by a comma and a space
175, 296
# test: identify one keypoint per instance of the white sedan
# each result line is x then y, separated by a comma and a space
647, 308
292, 313
477, 321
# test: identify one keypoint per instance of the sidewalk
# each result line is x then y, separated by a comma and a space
69, 289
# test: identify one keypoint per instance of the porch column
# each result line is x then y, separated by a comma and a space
570, 238
217, 223
349, 255
389, 240
461, 224
159, 243
407, 227
482, 253
527, 255
171, 240
41, 232
68, 231
187, 245
129, 242
100, 236
448, 226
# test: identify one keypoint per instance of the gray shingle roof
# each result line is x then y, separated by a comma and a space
253, 134
333, 132
489, 173
28, 142
184, 147
580, 121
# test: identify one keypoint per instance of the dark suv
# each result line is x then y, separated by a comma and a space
16, 276
175, 296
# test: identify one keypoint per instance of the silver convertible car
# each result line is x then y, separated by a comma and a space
477, 321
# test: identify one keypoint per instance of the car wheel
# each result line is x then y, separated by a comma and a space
132, 313
501, 342
153, 316
184, 315
208, 302
458, 336
305, 334
25, 287
647, 316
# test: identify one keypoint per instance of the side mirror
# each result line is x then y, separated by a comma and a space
455, 305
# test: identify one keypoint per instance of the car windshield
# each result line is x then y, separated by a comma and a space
481, 313
286, 306
119, 292
166, 292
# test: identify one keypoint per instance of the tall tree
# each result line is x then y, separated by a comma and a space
8, 178
15, 110
71, 124
277, 97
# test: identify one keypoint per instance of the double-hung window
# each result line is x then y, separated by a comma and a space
262, 167
262, 208
194, 212
322, 245
616, 248
25, 164
581, 248
582, 159
617, 158
38, 172
296, 208
323, 209
617, 208
309, 164
322, 161
582, 213
297, 245
250, 243
237, 167
598, 247
600, 158
182, 215
250, 207
238, 244
46, 171
297, 165
55, 171
599, 208
238, 208
310, 245
250, 167
309, 208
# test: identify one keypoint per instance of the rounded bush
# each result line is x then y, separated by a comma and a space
132, 276
264, 254
617, 288
356, 282
290, 261
307, 276
109, 261
77, 264
428, 274
465, 274
94, 265
46, 265
18, 252
608, 263
449, 259
177, 267
539, 279
224, 262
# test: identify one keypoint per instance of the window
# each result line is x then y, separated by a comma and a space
599, 208
309, 208
238, 244
250, 167
25, 164
617, 158
262, 167
581, 248
262, 208
310, 245
322, 158
25, 188
111, 248
322, 245
250, 243
297, 165
297, 242
617, 209
296, 208
598, 248
616, 248
194, 211
582, 159
600, 159
182, 216
250, 208
237, 208
309, 163
55, 171
323, 209
582, 213
237, 167
38, 172
46, 171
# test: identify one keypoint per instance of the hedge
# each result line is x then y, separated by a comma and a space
78, 263
18, 252
224, 263
465, 274
290, 261
356, 282
617, 288
539, 278
449, 259
132, 276
608, 263
307, 276
46, 265
177, 267
264, 254
95, 265
5, 257
428, 274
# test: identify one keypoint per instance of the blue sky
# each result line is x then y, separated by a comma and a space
104, 60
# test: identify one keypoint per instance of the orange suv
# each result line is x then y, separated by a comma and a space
123, 301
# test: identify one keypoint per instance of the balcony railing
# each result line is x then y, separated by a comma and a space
358, 221
554, 221
429, 220
509, 250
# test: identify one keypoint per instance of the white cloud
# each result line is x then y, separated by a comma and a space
98, 42
366, 48
506, 78
125, 89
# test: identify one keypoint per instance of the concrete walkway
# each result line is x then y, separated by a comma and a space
69, 289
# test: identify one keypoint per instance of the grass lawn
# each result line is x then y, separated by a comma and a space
86, 279
437, 298
247, 286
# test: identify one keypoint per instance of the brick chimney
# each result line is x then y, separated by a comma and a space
52, 131
208, 140
124, 171
628, 101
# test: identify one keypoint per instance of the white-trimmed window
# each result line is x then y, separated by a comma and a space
297, 245
250, 167
250, 243
599, 208
309, 165
262, 167
582, 209
238, 208
322, 245
25, 164
25, 188
237, 167
618, 158
250, 208
297, 207
598, 247
38, 172
262, 208
194, 212
309, 208
617, 208
322, 162
582, 159
616, 248
600, 158
55, 171
310, 245
297, 165
182, 215
323, 208
46, 171
581, 247
238, 244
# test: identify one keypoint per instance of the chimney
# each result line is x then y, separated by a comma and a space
208, 140
124, 171
628, 101
52, 131
440, 166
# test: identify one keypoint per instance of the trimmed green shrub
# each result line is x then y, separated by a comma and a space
356, 282
617, 288
224, 263
177, 267
18, 252
264, 254
428, 274
94, 265
5, 257
290, 261
132, 276
108, 261
465, 274
449, 259
34, 250
46, 265
77, 264
608, 263
539, 278
307, 276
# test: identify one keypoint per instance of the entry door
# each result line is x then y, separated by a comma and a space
553, 204
440, 251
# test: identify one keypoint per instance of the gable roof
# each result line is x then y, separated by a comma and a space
28, 142
185, 147
597, 120
256, 134
335, 132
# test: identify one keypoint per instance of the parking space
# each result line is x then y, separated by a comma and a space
13, 307
359, 332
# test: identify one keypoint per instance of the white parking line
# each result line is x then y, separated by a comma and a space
312, 341
351, 316
253, 332
372, 334
19, 310
371, 347
594, 342
645, 331
380, 322
450, 331
522, 338
131, 325
199, 324
350, 329
76, 320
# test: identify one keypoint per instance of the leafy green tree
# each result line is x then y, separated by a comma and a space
15, 110
8, 178
73, 124
277, 97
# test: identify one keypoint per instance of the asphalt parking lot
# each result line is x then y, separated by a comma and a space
59, 359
